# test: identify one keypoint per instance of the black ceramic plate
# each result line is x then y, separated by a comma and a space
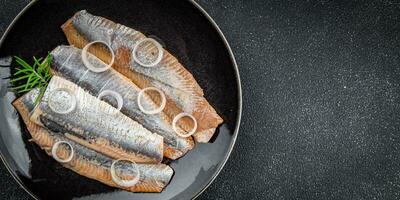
188, 33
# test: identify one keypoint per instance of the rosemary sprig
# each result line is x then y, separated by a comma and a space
28, 76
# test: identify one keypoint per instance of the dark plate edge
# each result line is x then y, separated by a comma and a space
239, 85
238, 82
10, 171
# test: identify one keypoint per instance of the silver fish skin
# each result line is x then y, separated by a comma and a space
182, 90
117, 36
97, 124
67, 63
89, 163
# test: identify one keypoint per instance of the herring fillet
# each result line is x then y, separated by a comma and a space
67, 63
89, 163
92, 124
184, 94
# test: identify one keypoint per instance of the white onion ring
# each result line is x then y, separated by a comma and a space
89, 65
159, 48
118, 180
116, 95
73, 101
155, 111
54, 152
179, 116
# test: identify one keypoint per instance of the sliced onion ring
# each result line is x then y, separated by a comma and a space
179, 116
118, 180
116, 95
159, 48
54, 152
155, 111
72, 102
89, 65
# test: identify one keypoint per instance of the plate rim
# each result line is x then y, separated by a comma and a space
239, 97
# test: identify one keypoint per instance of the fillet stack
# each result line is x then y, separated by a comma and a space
98, 130
87, 162
184, 93
67, 62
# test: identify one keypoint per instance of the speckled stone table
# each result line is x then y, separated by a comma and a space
321, 88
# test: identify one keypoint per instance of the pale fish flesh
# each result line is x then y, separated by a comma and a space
184, 94
67, 63
95, 124
89, 163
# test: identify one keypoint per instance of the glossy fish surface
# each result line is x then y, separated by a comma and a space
95, 124
67, 63
89, 163
184, 94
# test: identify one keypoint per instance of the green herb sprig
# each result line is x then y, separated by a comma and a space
28, 76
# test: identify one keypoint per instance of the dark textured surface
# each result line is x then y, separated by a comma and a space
8, 10
321, 100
